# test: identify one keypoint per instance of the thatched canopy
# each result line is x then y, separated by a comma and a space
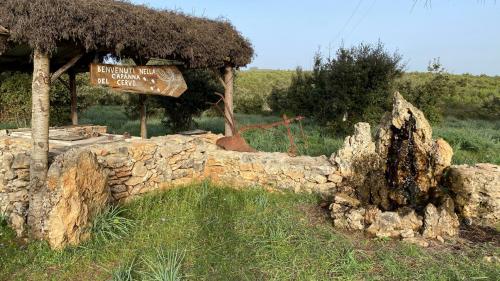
65, 28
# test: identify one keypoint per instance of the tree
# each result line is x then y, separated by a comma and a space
179, 112
353, 86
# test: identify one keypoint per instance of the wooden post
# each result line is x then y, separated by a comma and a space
144, 129
74, 100
40, 140
228, 97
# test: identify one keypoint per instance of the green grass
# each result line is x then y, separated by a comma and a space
473, 141
203, 232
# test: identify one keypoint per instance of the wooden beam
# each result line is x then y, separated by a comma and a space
144, 128
74, 99
40, 141
65, 68
228, 98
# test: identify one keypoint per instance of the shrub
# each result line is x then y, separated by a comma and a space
353, 86
491, 108
179, 112
15, 101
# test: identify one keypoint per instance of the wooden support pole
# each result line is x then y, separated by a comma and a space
228, 98
40, 140
65, 68
144, 128
74, 100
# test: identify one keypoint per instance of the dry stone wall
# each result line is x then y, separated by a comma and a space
476, 193
83, 180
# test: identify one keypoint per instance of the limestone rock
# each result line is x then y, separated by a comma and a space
346, 200
347, 218
476, 192
393, 224
355, 148
439, 222
419, 241
78, 190
414, 162
17, 222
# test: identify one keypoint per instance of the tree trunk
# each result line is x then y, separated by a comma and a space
40, 140
144, 128
74, 100
228, 97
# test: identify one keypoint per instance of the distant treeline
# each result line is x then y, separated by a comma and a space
475, 96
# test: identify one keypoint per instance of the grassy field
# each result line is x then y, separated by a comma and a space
473, 141
471, 93
203, 232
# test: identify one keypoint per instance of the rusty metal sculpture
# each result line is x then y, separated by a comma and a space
238, 143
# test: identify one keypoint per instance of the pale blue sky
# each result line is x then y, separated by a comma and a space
465, 34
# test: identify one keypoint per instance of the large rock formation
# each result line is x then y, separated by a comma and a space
413, 163
390, 186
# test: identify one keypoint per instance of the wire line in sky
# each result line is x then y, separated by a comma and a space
347, 22
361, 19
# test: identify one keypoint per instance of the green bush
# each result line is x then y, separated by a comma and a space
179, 112
353, 86
15, 100
252, 88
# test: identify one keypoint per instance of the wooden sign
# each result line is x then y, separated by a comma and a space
154, 80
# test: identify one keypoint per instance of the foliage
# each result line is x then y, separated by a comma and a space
179, 112
473, 97
133, 106
430, 95
111, 224
252, 88
227, 234
15, 101
163, 266
89, 95
491, 108
354, 86
125, 272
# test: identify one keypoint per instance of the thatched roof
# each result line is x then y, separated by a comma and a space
3, 31
66, 27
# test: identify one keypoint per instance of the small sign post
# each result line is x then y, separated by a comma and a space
144, 80
152, 80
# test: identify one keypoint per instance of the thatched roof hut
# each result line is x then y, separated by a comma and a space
64, 28
52, 37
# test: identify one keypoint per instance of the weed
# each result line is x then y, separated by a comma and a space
111, 224
163, 266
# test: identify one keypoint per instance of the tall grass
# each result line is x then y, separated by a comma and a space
163, 266
224, 234
111, 224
